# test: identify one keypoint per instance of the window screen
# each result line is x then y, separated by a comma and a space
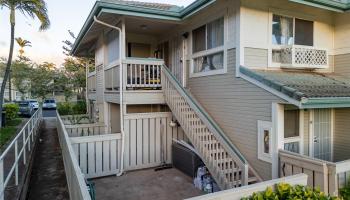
304, 32
198, 37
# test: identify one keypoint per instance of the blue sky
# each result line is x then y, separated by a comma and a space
64, 15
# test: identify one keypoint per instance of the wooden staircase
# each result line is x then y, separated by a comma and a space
226, 164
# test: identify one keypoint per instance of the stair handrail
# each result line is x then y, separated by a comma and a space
212, 125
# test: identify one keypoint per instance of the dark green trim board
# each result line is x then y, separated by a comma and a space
333, 5
306, 96
102, 6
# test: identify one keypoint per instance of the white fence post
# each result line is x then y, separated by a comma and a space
16, 161
24, 147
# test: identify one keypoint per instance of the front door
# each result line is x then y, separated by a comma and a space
177, 58
322, 137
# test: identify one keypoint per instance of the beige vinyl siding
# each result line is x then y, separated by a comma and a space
255, 58
306, 132
112, 97
341, 134
236, 105
342, 64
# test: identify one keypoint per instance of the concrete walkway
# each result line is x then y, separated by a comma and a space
48, 179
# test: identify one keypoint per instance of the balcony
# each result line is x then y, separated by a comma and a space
141, 80
303, 57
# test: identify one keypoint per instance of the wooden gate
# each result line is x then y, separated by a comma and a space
98, 155
147, 135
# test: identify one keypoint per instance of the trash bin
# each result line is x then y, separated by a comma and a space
3, 119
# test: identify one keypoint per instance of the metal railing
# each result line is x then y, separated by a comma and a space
18, 152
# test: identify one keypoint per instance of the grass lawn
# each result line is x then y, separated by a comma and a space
9, 131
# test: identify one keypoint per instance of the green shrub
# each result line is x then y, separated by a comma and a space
345, 192
64, 108
72, 108
79, 108
286, 191
11, 111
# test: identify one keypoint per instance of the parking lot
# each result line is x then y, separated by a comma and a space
49, 113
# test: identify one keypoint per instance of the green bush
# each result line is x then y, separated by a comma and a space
79, 108
345, 192
72, 108
11, 111
64, 108
286, 191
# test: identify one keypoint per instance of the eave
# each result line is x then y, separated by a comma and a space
326, 4
127, 10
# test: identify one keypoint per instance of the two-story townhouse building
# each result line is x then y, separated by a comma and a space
242, 81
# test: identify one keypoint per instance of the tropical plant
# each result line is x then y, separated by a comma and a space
32, 8
22, 43
75, 68
286, 191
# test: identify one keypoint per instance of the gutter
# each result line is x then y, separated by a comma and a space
121, 90
325, 102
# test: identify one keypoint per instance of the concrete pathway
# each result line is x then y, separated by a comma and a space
48, 179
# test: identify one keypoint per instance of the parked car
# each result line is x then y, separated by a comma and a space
49, 104
26, 108
35, 103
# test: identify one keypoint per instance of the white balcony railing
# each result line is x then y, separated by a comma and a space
142, 73
296, 56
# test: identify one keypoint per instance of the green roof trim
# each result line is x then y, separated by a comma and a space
333, 5
173, 14
309, 90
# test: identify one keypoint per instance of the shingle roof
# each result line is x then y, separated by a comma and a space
299, 85
158, 6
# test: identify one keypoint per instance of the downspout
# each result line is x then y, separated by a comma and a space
120, 88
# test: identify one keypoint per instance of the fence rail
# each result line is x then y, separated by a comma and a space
18, 151
80, 130
328, 176
75, 178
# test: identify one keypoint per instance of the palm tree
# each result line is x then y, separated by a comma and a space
22, 43
31, 8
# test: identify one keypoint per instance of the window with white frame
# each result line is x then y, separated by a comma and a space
292, 137
207, 47
287, 31
264, 140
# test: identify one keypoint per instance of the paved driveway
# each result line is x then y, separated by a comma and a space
49, 113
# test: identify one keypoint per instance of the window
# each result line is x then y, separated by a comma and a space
282, 30
292, 137
207, 46
264, 140
290, 31
112, 46
304, 32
